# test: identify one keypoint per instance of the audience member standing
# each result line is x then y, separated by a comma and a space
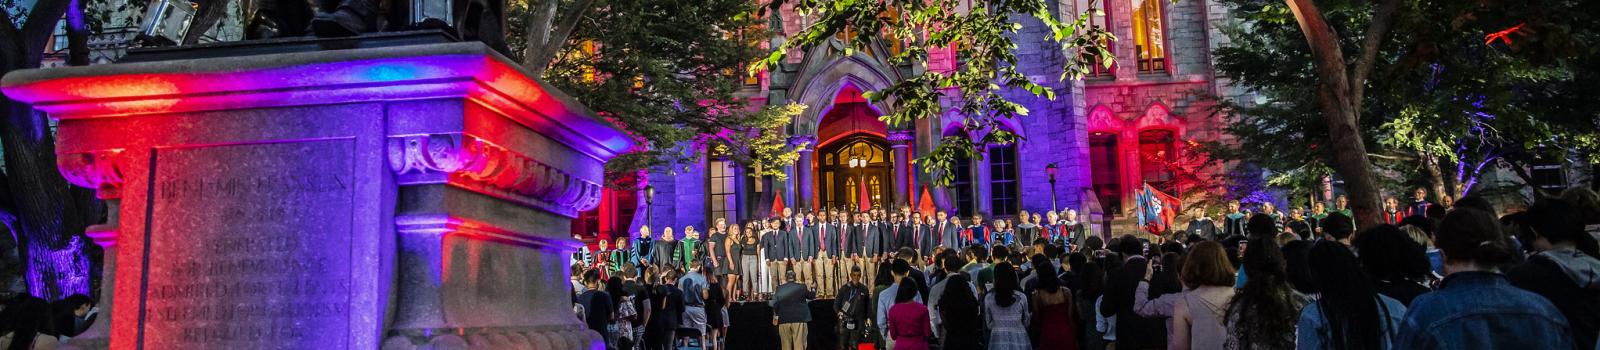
1396, 264
1197, 316
900, 270
908, 320
665, 315
695, 293
1005, 311
958, 310
790, 312
1132, 331
1262, 315
1474, 297
1564, 269
1053, 312
621, 334
1350, 314
599, 311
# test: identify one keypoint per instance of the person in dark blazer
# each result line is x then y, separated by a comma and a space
927, 238
790, 312
949, 230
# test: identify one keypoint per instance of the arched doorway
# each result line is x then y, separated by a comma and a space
852, 164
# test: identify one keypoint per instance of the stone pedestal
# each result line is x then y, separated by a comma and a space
335, 196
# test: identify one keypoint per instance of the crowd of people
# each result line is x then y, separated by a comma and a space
1430, 276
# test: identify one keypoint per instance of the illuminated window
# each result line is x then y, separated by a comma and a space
1149, 37
722, 191
1104, 168
1003, 179
1097, 20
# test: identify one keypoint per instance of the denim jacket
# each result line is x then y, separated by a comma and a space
1481, 310
1314, 332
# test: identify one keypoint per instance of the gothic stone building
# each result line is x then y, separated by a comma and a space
1107, 133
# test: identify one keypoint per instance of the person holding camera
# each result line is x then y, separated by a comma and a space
850, 306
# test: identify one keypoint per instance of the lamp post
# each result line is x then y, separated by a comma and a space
649, 200
1050, 169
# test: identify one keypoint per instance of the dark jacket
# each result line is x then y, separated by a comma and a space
1481, 310
597, 309
808, 241
667, 302
1567, 279
1205, 228
856, 240
789, 303
874, 238
1133, 331
851, 302
772, 243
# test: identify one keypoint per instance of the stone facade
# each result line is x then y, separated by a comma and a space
1126, 102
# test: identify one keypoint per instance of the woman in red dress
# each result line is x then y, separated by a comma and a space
908, 319
1052, 311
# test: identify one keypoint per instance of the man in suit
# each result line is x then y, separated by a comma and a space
790, 312
774, 244
807, 253
927, 238
827, 249
948, 229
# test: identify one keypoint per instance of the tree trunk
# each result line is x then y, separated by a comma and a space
1341, 109
45, 213
1430, 163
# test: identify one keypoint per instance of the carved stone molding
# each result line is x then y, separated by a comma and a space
898, 136
100, 170
478, 165
427, 153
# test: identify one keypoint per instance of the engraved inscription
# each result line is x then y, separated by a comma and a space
250, 247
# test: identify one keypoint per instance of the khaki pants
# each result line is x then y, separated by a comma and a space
803, 272
776, 269
869, 270
792, 336
825, 275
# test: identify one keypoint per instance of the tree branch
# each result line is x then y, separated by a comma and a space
1370, 45
40, 25
210, 12
558, 37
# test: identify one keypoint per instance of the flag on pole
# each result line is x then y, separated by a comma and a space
1156, 209
777, 204
926, 204
866, 202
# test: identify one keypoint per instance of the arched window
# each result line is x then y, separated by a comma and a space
722, 198
1149, 35
1003, 190
1157, 152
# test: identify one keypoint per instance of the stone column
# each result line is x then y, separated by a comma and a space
900, 141
983, 189
100, 170
804, 195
